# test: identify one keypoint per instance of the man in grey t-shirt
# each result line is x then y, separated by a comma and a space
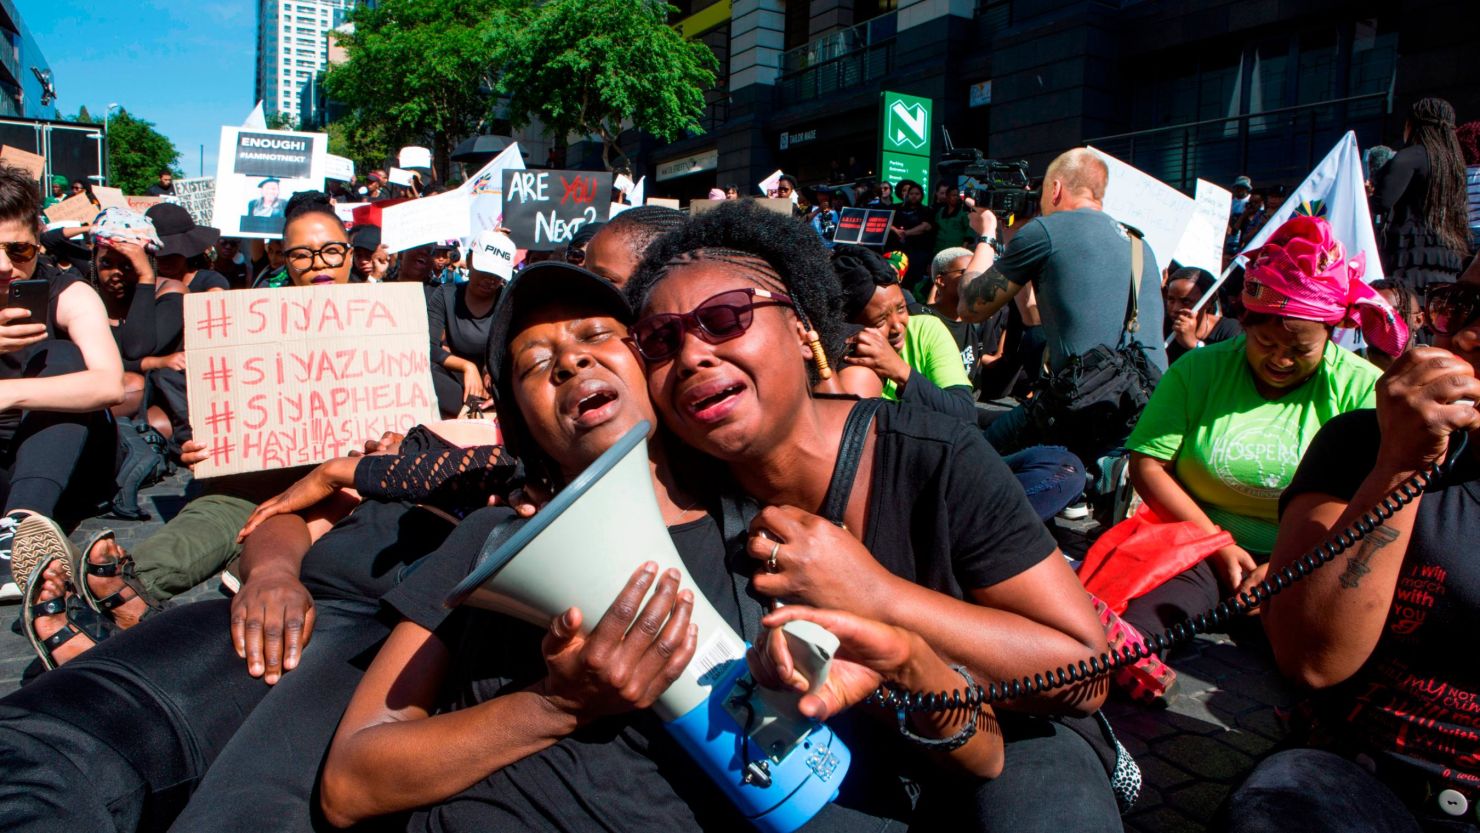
1078, 259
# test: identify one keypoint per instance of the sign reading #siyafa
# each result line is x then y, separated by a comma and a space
544, 209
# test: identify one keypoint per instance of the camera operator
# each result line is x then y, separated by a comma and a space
1078, 259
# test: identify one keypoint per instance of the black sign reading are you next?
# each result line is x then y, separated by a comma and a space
273, 154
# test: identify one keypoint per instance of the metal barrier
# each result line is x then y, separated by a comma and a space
72, 150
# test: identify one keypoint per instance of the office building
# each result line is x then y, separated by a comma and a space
26, 83
292, 49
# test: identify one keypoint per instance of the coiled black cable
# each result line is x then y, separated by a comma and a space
1097, 666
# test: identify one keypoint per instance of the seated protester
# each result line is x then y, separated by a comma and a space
230, 262
982, 345
202, 539
145, 313
182, 256
504, 725
458, 322
934, 536
1373, 634
1222, 435
617, 247
68, 249
178, 685
372, 260
1409, 309
914, 356
58, 377
1192, 330
269, 267
415, 266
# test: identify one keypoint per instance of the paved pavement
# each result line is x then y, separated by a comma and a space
1191, 754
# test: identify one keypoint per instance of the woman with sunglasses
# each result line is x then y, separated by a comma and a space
739, 318
58, 377
1380, 634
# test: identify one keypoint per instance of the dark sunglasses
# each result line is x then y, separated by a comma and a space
1452, 307
20, 252
722, 317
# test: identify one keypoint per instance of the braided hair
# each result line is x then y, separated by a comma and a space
1431, 121
768, 249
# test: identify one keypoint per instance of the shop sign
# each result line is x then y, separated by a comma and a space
705, 161
981, 94
797, 138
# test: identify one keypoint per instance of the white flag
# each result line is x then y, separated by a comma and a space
638, 193
486, 189
256, 119
1336, 193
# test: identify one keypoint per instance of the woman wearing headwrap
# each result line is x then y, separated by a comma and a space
1229, 422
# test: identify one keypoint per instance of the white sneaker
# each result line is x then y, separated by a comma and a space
1075, 511
10, 592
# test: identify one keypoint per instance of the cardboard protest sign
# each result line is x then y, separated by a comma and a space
1202, 242
198, 196
777, 204
256, 174
78, 208
25, 160
110, 197
143, 204
663, 202
295, 376
418, 222
697, 207
863, 226
544, 209
1158, 210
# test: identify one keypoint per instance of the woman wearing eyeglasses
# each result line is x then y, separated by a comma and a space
1381, 634
932, 534
58, 377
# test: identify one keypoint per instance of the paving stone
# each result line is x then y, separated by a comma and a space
1155, 770
1204, 757
1162, 820
1198, 800
1250, 743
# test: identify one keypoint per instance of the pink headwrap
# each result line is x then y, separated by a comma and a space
1303, 272
716, 194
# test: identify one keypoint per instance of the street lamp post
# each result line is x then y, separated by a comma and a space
106, 148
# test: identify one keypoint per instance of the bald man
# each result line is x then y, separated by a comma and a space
1078, 259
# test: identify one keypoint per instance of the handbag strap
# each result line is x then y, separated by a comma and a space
850, 452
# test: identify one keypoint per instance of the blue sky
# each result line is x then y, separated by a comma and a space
186, 65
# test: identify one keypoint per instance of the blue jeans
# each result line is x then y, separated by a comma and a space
1052, 477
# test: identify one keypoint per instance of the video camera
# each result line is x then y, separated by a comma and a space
1003, 187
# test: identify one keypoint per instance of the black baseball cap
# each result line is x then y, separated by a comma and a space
365, 237
541, 283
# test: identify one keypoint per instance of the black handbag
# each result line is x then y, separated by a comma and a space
1091, 404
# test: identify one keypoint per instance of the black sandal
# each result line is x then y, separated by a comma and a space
81, 620
115, 567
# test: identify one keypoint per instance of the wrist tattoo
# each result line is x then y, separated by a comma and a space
1359, 564
985, 287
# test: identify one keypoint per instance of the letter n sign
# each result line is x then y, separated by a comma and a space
906, 124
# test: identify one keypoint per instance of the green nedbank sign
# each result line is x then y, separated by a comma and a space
905, 139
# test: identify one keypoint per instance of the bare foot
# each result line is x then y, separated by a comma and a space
54, 586
127, 614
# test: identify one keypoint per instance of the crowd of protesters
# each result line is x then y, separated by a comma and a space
880, 437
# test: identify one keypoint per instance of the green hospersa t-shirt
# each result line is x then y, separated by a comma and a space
930, 349
1234, 450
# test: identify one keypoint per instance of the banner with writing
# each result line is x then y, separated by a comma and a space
863, 226
429, 219
1159, 211
75, 209
298, 375
198, 196
544, 209
258, 171
33, 164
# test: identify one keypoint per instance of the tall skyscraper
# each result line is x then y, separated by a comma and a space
291, 48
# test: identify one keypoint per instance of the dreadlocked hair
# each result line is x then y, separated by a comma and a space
1445, 207
766, 248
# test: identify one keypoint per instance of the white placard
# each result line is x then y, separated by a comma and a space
400, 176
1202, 242
258, 171
486, 189
1158, 210
768, 185
427, 220
339, 168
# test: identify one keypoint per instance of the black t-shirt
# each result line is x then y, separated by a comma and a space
625, 773
367, 551
157, 190
1225, 329
973, 340
1416, 701
208, 279
455, 330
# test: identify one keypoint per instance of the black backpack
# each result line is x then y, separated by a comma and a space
146, 462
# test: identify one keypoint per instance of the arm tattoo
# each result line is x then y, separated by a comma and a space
1358, 565
983, 288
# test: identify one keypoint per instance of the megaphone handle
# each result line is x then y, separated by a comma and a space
809, 655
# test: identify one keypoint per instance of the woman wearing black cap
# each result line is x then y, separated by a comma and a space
182, 256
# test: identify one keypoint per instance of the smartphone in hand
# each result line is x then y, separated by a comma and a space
32, 295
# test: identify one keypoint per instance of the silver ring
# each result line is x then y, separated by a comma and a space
771, 565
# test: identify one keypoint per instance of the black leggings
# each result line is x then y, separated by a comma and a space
1184, 595
58, 463
122, 737
449, 389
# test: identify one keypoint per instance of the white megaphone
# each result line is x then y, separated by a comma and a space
778, 767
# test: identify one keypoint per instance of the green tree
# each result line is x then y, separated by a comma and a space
589, 66
362, 142
282, 121
137, 153
417, 72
